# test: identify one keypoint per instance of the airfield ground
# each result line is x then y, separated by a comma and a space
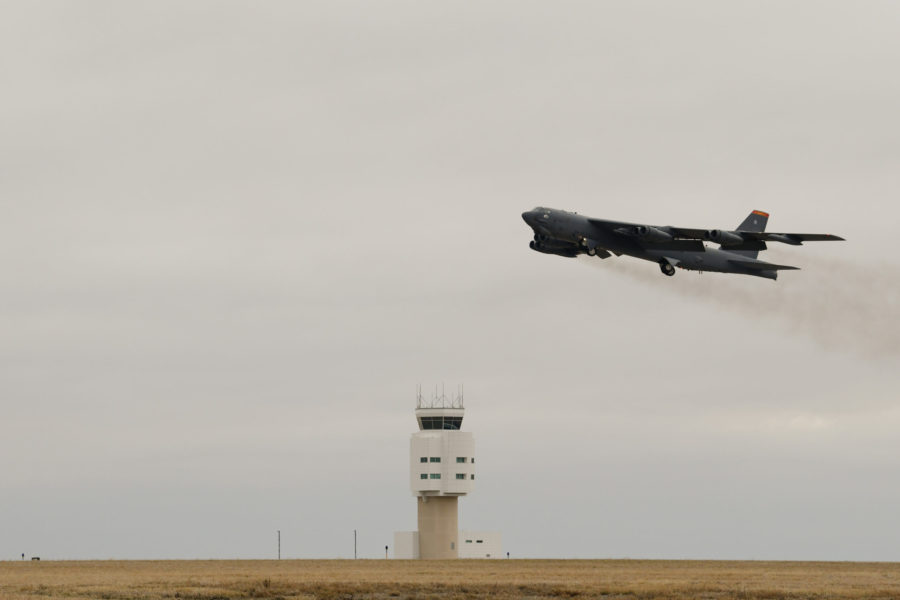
446, 580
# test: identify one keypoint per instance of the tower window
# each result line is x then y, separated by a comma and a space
423, 476
460, 459
472, 476
468, 541
473, 460
423, 459
479, 541
435, 459
460, 475
434, 475
441, 422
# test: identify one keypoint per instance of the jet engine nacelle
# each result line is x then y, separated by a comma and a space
726, 238
567, 252
650, 234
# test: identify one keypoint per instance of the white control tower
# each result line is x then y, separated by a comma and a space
441, 469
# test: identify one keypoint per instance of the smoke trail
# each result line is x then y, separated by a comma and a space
834, 303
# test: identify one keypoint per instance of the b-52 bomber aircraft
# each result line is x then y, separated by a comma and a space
569, 234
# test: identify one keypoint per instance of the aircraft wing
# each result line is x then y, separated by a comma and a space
654, 237
689, 233
610, 225
794, 239
758, 265
685, 232
683, 245
759, 236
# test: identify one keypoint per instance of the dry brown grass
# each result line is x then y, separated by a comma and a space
446, 580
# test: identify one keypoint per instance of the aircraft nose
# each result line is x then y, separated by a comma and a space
526, 216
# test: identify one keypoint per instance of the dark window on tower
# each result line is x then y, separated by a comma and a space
423, 459
441, 422
423, 476
460, 459
460, 475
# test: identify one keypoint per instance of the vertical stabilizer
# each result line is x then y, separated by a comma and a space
756, 222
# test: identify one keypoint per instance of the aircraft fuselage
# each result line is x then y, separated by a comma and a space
574, 234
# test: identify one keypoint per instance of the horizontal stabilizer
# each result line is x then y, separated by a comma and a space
758, 265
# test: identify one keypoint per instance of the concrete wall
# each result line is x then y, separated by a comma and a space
449, 447
481, 544
470, 544
438, 526
406, 544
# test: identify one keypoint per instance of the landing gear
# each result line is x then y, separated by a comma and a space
666, 267
590, 248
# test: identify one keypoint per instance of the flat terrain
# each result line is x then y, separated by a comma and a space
362, 579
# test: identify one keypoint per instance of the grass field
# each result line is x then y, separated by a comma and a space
362, 579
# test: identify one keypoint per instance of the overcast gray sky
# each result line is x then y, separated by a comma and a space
237, 235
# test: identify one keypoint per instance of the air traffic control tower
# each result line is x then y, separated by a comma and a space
441, 469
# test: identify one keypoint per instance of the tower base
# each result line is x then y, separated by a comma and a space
438, 526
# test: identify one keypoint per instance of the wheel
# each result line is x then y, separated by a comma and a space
667, 268
592, 252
